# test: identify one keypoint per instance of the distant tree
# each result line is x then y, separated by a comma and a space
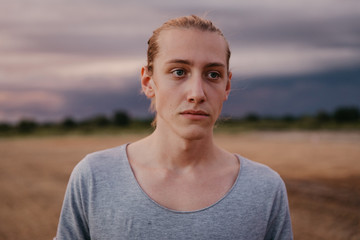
100, 121
347, 114
288, 118
26, 126
252, 117
323, 116
5, 127
68, 123
269, 118
121, 118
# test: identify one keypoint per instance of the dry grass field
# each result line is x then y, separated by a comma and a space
321, 171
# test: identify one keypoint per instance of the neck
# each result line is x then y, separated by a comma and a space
175, 152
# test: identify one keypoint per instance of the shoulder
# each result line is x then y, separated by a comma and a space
107, 154
259, 176
101, 161
260, 170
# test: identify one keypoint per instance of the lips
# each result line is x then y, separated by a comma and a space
195, 113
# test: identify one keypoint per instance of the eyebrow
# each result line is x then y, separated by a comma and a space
180, 61
215, 64
186, 62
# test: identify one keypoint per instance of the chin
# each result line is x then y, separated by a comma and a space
195, 133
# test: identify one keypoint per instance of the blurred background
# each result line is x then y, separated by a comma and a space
80, 58
70, 85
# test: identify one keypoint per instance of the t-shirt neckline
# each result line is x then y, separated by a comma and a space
179, 211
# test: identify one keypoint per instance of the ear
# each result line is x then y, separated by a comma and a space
147, 83
228, 86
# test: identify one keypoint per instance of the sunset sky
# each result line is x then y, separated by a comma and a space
80, 58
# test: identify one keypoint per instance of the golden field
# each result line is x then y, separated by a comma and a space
321, 171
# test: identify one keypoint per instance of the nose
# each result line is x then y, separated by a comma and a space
196, 92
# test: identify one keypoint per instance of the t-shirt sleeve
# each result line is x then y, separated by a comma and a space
73, 222
279, 225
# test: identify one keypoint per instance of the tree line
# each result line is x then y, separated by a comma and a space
342, 116
120, 119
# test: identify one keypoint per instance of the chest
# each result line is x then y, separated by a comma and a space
138, 219
187, 192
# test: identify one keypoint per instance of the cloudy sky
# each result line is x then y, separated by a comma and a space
81, 58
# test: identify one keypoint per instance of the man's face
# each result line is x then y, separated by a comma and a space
190, 81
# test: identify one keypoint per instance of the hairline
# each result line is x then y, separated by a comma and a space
195, 28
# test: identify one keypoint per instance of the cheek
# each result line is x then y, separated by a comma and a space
164, 100
219, 98
219, 94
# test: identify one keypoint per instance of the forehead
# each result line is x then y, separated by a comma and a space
191, 44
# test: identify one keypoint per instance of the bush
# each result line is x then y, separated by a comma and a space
323, 116
252, 117
26, 126
121, 118
5, 127
347, 114
68, 123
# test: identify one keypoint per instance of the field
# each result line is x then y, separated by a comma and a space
321, 171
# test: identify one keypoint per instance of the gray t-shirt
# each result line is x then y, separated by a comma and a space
103, 201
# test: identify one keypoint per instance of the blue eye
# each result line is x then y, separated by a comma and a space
178, 72
213, 75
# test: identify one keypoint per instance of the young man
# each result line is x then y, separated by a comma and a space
176, 183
